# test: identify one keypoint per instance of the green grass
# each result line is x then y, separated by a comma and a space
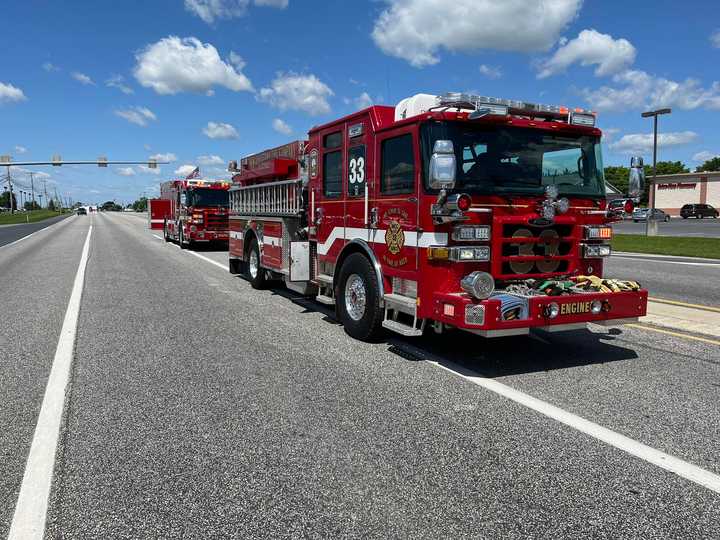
6, 218
668, 245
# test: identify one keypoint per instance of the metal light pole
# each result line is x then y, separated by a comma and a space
650, 224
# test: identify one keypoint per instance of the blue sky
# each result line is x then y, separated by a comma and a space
206, 81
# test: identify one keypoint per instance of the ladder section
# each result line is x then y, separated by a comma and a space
271, 199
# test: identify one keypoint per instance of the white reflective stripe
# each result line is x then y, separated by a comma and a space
157, 221
412, 238
271, 240
236, 235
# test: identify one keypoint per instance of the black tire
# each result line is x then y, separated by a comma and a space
181, 239
701, 216
165, 232
667, 219
259, 280
368, 325
235, 266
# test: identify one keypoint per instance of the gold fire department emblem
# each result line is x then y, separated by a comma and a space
394, 237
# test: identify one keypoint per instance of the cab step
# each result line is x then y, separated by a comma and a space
327, 300
402, 329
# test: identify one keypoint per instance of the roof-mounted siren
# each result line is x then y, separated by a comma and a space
415, 105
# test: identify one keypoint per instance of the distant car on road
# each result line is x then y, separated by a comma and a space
642, 214
81, 212
617, 206
698, 211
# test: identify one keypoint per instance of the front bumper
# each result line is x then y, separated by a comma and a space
484, 317
208, 236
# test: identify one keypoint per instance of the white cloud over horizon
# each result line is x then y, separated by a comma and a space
11, 94
173, 65
211, 11
140, 116
220, 130
292, 91
641, 143
418, 30
281, 127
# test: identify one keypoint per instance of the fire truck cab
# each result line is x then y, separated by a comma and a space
198, 211
454, 211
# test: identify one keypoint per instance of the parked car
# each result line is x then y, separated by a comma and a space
81, 211
642, 214
617, 206
698, 211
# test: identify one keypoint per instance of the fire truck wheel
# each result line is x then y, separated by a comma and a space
165, 232
181, 240
358, 299
253, 271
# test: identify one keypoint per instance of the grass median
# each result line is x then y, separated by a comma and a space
6, 218
668, 245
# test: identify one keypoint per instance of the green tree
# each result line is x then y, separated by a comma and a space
667, 167
140, 205
32, 205
618, 177
51, 205
5, 200
710, 165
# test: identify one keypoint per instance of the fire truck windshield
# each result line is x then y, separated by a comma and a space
511, 160
206, 197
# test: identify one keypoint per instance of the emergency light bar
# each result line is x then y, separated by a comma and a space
484, 105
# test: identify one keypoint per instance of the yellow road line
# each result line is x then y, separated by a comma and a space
676, 334
684, 304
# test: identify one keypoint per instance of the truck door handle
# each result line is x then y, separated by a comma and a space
373, 217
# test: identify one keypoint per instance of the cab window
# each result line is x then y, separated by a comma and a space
398, 165
332, 174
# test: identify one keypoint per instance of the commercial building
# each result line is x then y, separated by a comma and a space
672, 191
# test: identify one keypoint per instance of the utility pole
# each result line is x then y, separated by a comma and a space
651, 228
9, 181
45, 190
32, 187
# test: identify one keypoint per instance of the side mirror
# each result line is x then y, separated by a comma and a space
443, 165
636, 183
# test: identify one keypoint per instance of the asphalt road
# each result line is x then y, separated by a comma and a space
202, 408
682, 279
708, 228
11, 233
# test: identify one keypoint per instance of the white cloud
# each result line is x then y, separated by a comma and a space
638, 89
640, 143
609, 134
702, 157
281, 127
715, 39
10, 93
298, 92
170, 157
174, 65
184, 170
144, 169
210, 160
416, 30
118, 81
50, 67
125, 171
82, 78
20, 149
590, 48
137, 115
212, 10
219, 130
491, 72
363, 101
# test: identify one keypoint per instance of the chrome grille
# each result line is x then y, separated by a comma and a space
475, 314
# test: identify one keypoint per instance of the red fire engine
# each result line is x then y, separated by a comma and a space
454, 211
198, 211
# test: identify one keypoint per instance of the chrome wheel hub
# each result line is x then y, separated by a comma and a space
253, 264
355, 297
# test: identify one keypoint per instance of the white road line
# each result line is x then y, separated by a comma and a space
38, 231
660, 459
208, 259
716, 265
30, 513
658, 256
203, 257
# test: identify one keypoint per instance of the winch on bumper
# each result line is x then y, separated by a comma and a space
550, 313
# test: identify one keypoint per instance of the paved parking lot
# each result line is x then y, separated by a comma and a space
709, 228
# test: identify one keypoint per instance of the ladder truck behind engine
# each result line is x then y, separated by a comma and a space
198, 211
452, 212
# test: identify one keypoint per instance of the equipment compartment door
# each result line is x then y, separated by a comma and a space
299, 261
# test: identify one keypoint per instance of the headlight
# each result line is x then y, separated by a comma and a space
466, 232
593, 232
596, 251
478, 284
552, 310
470, 253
